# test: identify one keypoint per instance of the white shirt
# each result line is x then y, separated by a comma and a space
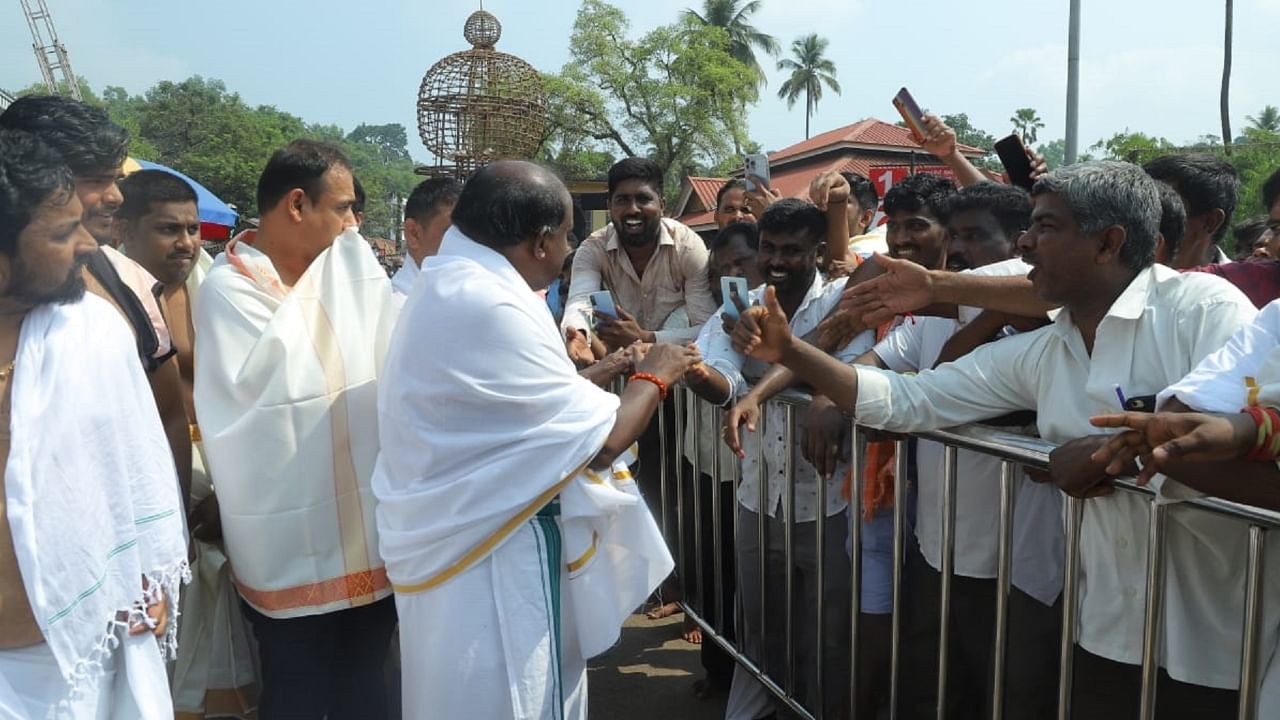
1218, 384
740, 371
1154, 333
913, 346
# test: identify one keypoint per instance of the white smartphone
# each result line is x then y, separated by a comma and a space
758, 165
729, 287
602, 302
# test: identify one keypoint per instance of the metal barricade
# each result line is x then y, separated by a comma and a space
1014, 452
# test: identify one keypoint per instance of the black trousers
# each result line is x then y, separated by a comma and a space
1031, 663
1107, 689
324, 666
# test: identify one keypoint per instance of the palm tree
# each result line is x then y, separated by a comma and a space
1268, 120
744, 38
810, 70
1026, 122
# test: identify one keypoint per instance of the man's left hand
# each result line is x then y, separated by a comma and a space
622, 331
1073, 469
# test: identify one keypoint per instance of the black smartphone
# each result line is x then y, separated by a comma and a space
1141, 403
1013, 155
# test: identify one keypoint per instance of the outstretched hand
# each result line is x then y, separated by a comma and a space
829, 187
763, 331
939, 138
904, 287
744, 412
1160, 438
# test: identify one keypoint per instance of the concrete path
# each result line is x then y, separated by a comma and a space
649, 675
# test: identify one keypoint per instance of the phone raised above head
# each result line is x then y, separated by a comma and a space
731, 287
1013, 155
602, 302
911, 113
756, 164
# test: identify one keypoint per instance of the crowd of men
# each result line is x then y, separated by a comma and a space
276, 482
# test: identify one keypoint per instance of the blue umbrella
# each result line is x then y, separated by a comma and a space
212, 210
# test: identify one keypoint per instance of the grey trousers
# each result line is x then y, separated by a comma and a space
768, 644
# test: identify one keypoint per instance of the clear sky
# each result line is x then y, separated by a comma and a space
1149, 65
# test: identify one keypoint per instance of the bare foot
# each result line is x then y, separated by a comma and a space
663, 611
692, 632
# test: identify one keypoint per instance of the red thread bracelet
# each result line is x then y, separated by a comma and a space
650, 377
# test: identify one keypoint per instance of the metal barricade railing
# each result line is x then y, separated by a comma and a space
1013, 451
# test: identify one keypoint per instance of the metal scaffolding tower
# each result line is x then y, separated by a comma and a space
55, 65
5, 100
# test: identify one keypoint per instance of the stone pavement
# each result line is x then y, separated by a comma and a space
649, 675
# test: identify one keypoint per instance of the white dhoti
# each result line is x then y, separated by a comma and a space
131, 686
500, 624
214, 675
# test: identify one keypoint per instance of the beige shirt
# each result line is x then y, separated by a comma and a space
675, 277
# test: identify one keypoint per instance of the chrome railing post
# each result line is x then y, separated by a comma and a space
717, 523
678, 466
761, 514
1152, 626
1070, 592
664, 439
855, 562
820, 550
788, 538
899, 540
1003, 574
697, 512
1250, 653
948, 572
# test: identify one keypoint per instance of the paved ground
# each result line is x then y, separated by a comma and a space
649, 675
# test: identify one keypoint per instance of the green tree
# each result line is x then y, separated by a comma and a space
1054, 153
1268, 120
810, 69
1134, 147
675, 94
1026, 123
967, 134
744, 38
391, 140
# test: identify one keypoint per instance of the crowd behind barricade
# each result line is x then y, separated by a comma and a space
277, 483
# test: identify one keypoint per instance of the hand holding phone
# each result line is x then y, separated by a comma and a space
911, 114
733, 289
1013, 155
756, 165
603, 304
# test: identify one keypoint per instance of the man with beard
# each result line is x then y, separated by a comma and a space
791, 234
91, 536
94, 149
652, 265
158, 226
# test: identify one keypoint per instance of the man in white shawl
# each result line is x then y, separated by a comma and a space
514, 536
158, 226
426, 217
92, 548
292, 326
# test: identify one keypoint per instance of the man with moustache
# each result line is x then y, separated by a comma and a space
158, 226
92, 547
94, 149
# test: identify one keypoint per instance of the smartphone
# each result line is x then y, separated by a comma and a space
729, 287
1013, 155
602, 302
911, 113
1141, 403
758, 165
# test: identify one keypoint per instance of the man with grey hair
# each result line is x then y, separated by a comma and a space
1125, 322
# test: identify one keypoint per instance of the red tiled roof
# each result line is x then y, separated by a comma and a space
864, 132
706, 188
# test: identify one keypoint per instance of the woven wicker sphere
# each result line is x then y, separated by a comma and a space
481, 105
482, 29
